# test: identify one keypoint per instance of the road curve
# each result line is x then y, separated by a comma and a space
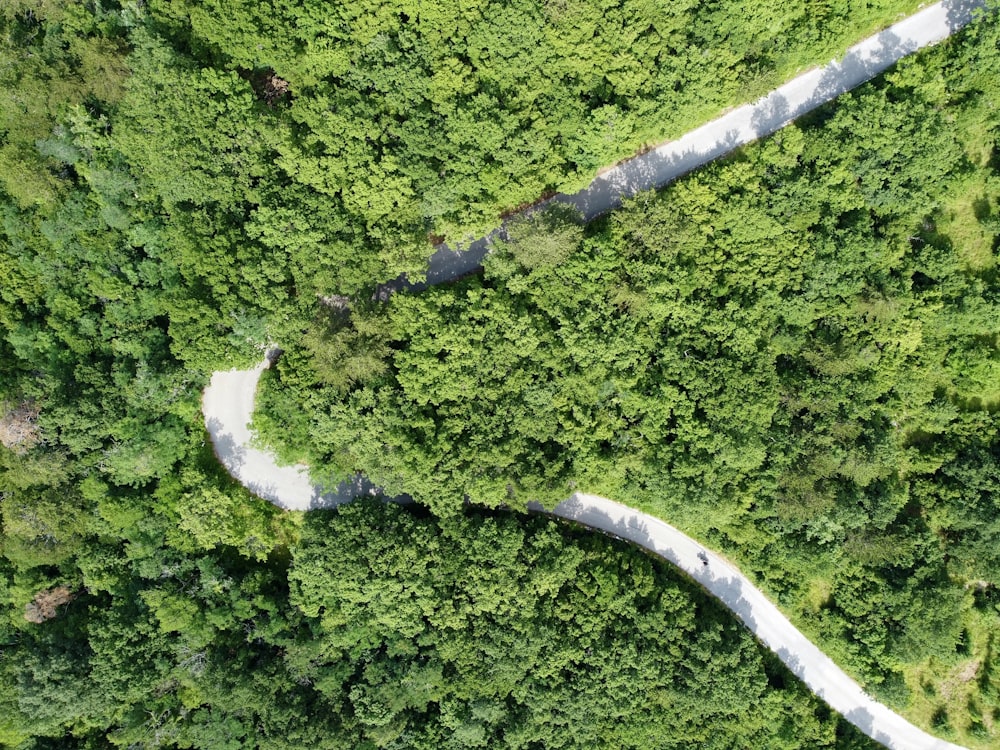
228, 401
725, 582
228, 407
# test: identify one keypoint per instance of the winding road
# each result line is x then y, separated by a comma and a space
228, 401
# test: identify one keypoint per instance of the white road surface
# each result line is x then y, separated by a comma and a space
228, 404
732, 588
229, 399
736, 128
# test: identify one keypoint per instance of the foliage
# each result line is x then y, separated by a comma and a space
54, 55
489, 631
784, 353
402, 631
791, 354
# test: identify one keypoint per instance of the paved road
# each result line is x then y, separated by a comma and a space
732, 588
227, 405
228, 401
743, 125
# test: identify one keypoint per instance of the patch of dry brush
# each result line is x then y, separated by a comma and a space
19, 430
46, 604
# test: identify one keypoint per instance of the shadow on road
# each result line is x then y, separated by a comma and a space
865, 721
659, 167
960, 12
349, 490
665, 542
230, 453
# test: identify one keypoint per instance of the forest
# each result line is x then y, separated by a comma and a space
790, 354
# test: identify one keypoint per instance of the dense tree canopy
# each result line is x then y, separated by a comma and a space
791, 355
486, 631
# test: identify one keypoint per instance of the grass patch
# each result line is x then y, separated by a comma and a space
818, 593
960, 700
970, 220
